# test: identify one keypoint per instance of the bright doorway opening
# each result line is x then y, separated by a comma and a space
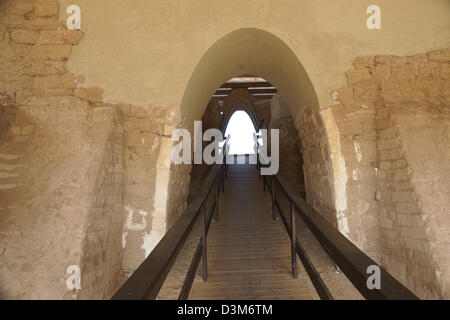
241, 129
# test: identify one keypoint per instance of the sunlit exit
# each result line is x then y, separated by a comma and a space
241, 129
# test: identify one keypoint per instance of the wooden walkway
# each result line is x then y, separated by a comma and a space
248, 252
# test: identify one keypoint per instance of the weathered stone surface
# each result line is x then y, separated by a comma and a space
440, 55
445, 71
25, 36
44, 67
382, 72
363, 62
391, 154
51, 37
392, 203
53, 51
346, 97
54, 85
168, 115
80, 79
72, 36
291, 152
92, 94
46, 8
400, 86
383, 123
429, 70
389, 143
22, 7
403, 196
74, 174
60, 37
43, 24
358, 75
388, 133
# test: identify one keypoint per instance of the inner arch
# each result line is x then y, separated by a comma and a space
251, 51
248, 51
241, 129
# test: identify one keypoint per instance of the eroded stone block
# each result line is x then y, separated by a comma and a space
25, 36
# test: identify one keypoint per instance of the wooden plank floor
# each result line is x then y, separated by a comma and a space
248, 252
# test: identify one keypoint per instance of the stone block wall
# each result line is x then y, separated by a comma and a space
263, 108
291, 161
404, 240
87, 183
212, 117
82, 182
7, 114
393, 120
102, 245
180, 178
354, 115
34, 48
414, 151
141, 147
149, 181
60, 152
317, 167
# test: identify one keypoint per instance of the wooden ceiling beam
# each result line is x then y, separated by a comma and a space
258, 97
252, 91
263, 96
236, 85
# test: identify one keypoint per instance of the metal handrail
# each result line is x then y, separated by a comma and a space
149, 277
190, 276
147, 280
296, 247
352, 261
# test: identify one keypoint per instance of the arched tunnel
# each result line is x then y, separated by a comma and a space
224, 150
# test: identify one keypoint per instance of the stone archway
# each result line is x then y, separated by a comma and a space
239, 99
257, 52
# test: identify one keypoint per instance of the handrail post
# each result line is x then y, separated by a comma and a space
273, 199
204, 259
258, 161
226, 169
225, 160
224, 172
216, 200
225, 156
257, 155
223, 180
293, 241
